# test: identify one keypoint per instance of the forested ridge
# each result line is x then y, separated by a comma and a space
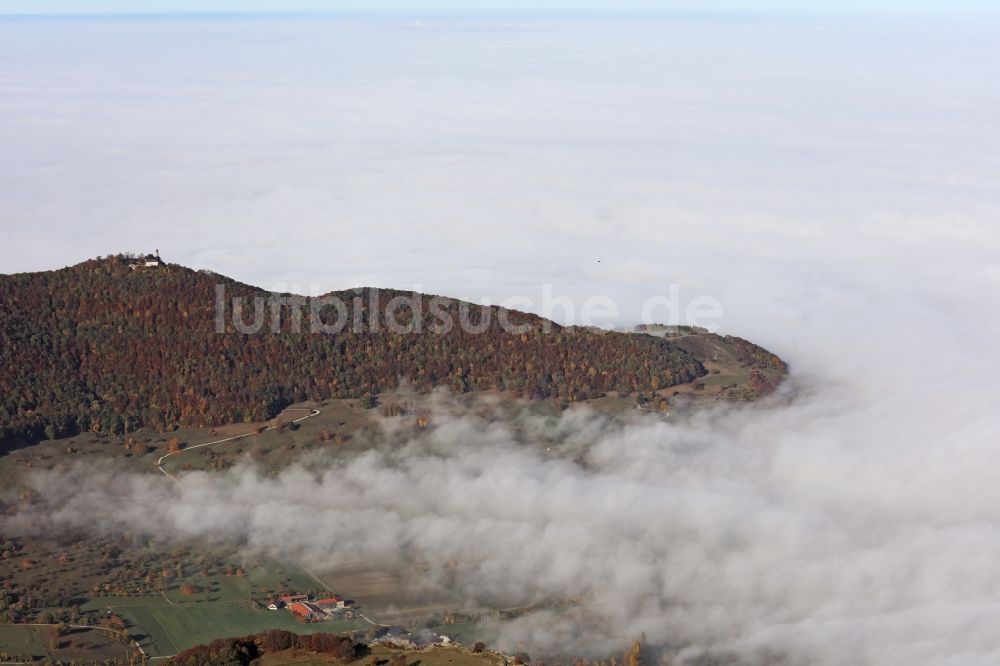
100, 346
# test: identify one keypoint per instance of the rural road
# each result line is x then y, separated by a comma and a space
159, 461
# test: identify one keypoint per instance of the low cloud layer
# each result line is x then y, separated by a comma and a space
831, 183
782, 529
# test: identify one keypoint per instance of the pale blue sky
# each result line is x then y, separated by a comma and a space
268, 6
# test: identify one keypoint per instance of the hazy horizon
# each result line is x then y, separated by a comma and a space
473, 6
831, 182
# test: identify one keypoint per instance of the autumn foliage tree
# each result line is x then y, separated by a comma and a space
99, 347
249, 649
634, 656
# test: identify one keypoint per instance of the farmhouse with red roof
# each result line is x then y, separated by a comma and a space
307, 611
329, 603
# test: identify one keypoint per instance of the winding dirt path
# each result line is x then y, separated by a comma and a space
159, 461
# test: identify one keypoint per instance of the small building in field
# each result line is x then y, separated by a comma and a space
331, 603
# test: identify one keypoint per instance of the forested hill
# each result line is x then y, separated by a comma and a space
107, 347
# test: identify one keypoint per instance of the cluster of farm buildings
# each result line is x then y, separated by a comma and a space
311, 610
308, 609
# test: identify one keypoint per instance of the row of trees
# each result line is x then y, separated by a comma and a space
235, 651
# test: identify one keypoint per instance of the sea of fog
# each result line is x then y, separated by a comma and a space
830, 183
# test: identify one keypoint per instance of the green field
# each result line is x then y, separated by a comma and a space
193, 624
272, 449
278, 577
164, 629
146, 630
79, 644
21, 640
217, 606
121, 603
211, 588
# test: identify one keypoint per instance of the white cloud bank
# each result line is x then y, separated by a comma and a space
833, 184
742, 532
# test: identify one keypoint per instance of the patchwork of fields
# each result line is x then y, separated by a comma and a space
168, 623
163, 629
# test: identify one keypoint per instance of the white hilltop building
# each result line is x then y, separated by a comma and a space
147, 261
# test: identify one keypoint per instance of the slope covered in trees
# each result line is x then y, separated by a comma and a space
102, 346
